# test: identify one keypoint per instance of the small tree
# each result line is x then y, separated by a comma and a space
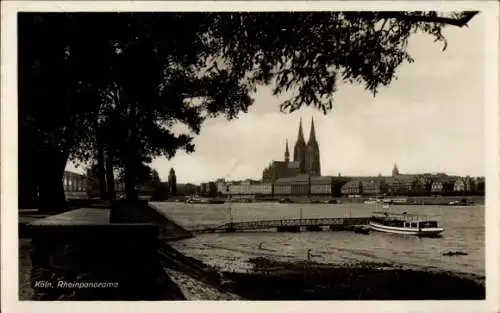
384, 187
360, 188
212, 189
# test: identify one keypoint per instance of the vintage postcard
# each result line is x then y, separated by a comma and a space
248, 156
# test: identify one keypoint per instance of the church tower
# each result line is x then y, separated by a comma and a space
172, 182
395, 170
287, 153
313, 165
299, 151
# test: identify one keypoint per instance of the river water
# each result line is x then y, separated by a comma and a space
464, 232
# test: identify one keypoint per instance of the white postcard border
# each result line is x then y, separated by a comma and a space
9, 235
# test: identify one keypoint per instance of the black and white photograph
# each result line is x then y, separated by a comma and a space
237, 153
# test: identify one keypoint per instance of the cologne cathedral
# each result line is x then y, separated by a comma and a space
305, 159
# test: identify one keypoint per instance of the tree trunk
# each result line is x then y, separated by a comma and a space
110, 177
101, 171
130, 191
50, 181
27, 185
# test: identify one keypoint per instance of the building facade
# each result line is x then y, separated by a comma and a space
250, 187
369, 186
221, 186
463, 184
75, 185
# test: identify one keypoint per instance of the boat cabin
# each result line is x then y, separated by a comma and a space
403, 220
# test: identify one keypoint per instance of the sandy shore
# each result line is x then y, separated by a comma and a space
275, 280
194, 289
271, 279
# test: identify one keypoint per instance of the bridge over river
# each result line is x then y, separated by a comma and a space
291, 225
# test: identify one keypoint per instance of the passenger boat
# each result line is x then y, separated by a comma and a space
372, 201
395, 200
197, 200
405, 224
193, 199
462, 202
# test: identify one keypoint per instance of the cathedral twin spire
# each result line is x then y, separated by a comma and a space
306, 155
312, 134
301, 132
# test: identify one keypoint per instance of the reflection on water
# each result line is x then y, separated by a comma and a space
464, 231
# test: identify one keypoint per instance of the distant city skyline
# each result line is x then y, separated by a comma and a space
428, 120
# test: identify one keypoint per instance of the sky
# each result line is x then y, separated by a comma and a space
428, 120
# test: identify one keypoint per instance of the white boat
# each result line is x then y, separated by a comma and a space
395, 200
405, 224
196, 199
372, 201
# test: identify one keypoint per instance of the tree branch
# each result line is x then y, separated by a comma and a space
459, 22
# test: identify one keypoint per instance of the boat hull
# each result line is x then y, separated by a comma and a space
423, 232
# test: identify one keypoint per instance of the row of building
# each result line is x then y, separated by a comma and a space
340, 186
76, 185
302, 176
80, 186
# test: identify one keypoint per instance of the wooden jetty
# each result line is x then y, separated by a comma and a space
291, 225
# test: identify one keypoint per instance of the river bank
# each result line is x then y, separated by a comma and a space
297, 280
195, 289
272, 280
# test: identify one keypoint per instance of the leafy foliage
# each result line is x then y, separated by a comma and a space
122, 80
309, 52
